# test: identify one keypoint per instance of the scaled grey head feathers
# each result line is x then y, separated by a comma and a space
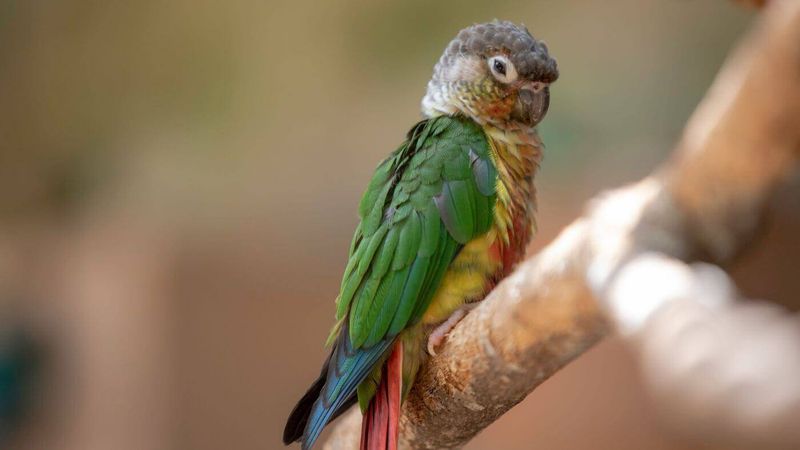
469, 79
530, 56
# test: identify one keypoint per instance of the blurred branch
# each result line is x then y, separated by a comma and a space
625, 256
719, 369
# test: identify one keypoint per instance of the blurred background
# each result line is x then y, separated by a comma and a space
179, 183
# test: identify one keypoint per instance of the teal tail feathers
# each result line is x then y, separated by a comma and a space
334, 391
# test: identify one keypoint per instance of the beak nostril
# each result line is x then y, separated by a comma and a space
537, 86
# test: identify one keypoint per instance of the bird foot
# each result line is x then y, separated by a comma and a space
439, 334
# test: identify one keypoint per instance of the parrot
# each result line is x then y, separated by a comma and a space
444, 218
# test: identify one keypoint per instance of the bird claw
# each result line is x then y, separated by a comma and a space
438, 335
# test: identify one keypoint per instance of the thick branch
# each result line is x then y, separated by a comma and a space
742, 142
503, 349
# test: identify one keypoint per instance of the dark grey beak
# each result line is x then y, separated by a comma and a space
531, 106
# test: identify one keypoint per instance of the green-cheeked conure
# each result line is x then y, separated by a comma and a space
445, 217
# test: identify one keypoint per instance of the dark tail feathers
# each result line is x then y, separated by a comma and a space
335, 389
298, 418
299, 415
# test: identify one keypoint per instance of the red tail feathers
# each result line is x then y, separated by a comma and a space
379, 427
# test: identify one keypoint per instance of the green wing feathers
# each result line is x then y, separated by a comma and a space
430, 197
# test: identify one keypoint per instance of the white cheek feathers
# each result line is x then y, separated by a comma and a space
440, 97
466, 68
502, 69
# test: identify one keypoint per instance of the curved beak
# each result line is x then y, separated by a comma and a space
531, 106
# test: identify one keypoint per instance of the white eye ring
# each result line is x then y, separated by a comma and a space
502, 69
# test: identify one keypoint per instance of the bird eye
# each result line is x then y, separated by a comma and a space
502, 69
499, 67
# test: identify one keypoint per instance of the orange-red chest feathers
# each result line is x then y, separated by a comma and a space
487, 259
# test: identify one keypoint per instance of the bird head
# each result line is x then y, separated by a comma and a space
495, 73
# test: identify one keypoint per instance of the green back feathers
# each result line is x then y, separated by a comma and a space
430, 197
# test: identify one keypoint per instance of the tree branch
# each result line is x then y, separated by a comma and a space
706, 201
